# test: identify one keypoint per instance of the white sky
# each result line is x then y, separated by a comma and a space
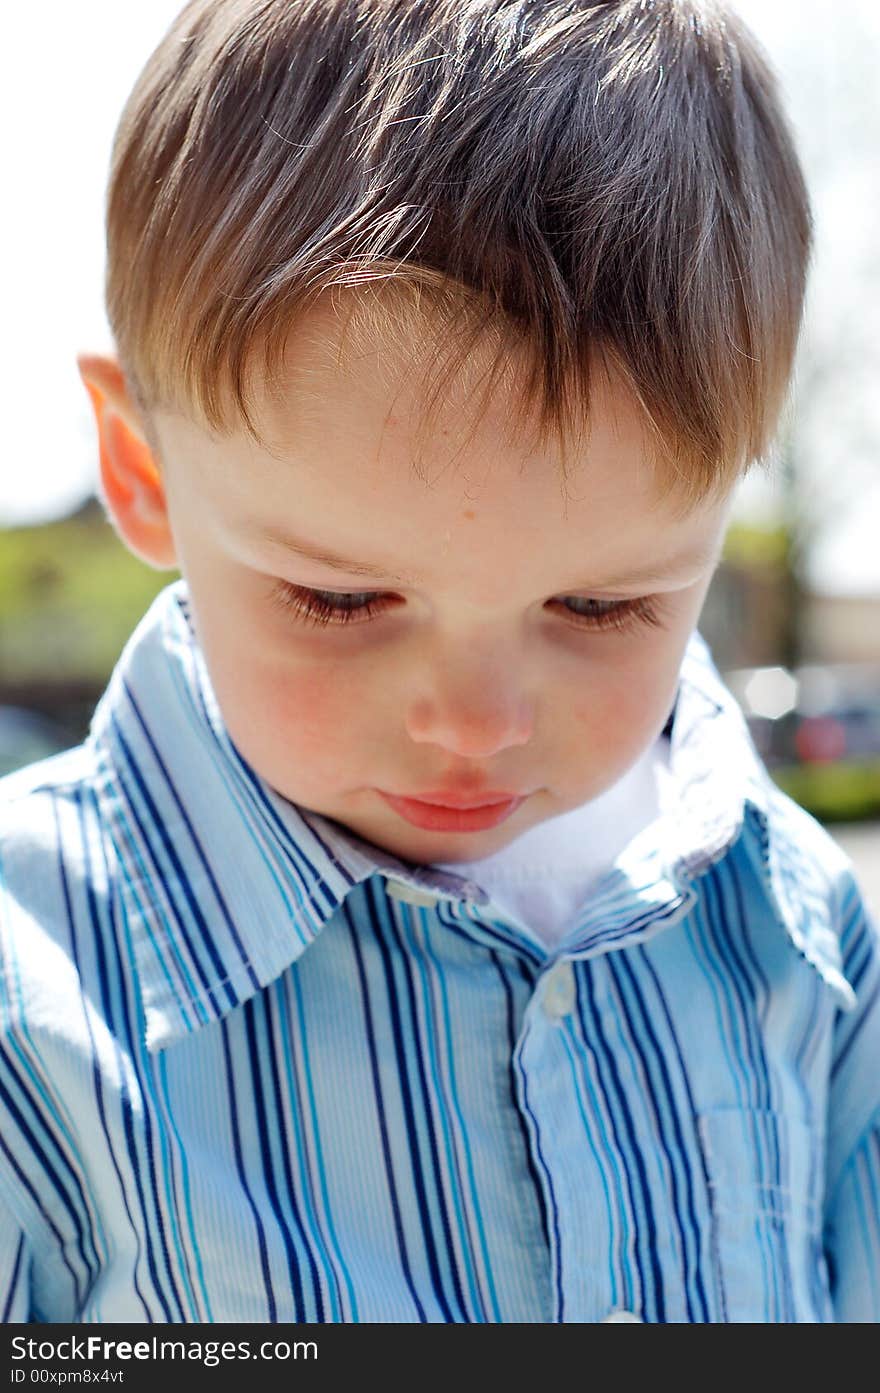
68, 72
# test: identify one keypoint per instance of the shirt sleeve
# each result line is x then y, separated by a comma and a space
852, 1208
14, 1271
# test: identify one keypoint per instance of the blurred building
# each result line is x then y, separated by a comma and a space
756, 615
746, 615
841, 628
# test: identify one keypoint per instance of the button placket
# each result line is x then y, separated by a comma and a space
559, 993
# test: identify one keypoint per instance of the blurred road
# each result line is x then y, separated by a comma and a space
861, 841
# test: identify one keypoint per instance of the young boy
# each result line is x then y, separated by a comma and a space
417, 935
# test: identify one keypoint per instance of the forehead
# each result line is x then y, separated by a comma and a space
346, 460
373, 376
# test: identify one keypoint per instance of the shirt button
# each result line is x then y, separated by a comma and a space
559, 995
411, 894
622, 1318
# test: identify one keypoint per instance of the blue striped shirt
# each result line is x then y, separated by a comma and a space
253, 1068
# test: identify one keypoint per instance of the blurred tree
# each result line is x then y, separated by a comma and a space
70, 594
830, 443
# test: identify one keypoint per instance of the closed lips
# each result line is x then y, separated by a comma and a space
449, 800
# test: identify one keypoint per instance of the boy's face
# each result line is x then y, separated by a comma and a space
472, 662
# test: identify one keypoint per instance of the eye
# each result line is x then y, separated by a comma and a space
324, 607
622, 615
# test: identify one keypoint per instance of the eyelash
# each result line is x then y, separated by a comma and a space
313, 607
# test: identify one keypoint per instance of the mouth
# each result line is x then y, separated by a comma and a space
455, 813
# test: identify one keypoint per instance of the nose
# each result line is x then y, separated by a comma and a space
473, 708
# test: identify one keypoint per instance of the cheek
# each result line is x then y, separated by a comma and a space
610, 717
309, 706
287, 714
627, 701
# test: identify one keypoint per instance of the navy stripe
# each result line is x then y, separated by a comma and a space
184, 885
678, 1148
409, 1113
257, 1092
272, 1055
696, 1148
130, 1138
512, 1031
550, 1207
380, 1117
865, 1017
104, 984
271, 1305
427, 1102
72, 1198
13, 1283
585, 988
775, 1198
203, 861
30, 1191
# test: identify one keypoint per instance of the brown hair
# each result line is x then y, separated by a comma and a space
572, 182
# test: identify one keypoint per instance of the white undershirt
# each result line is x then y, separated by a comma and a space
544, 877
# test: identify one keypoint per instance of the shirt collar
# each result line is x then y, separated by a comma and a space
724, 792
224, 883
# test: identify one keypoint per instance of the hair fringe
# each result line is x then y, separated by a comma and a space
571, 185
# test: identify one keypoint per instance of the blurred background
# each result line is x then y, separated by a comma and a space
793, 616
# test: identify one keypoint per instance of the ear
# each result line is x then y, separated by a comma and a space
131, 476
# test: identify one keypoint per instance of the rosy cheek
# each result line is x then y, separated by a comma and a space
594, 713
297, 729
604, 695
620, 713
311, 705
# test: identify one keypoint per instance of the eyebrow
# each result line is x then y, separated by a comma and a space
330, 558
658, 571
696, 558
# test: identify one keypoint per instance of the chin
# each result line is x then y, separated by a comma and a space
465, 848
